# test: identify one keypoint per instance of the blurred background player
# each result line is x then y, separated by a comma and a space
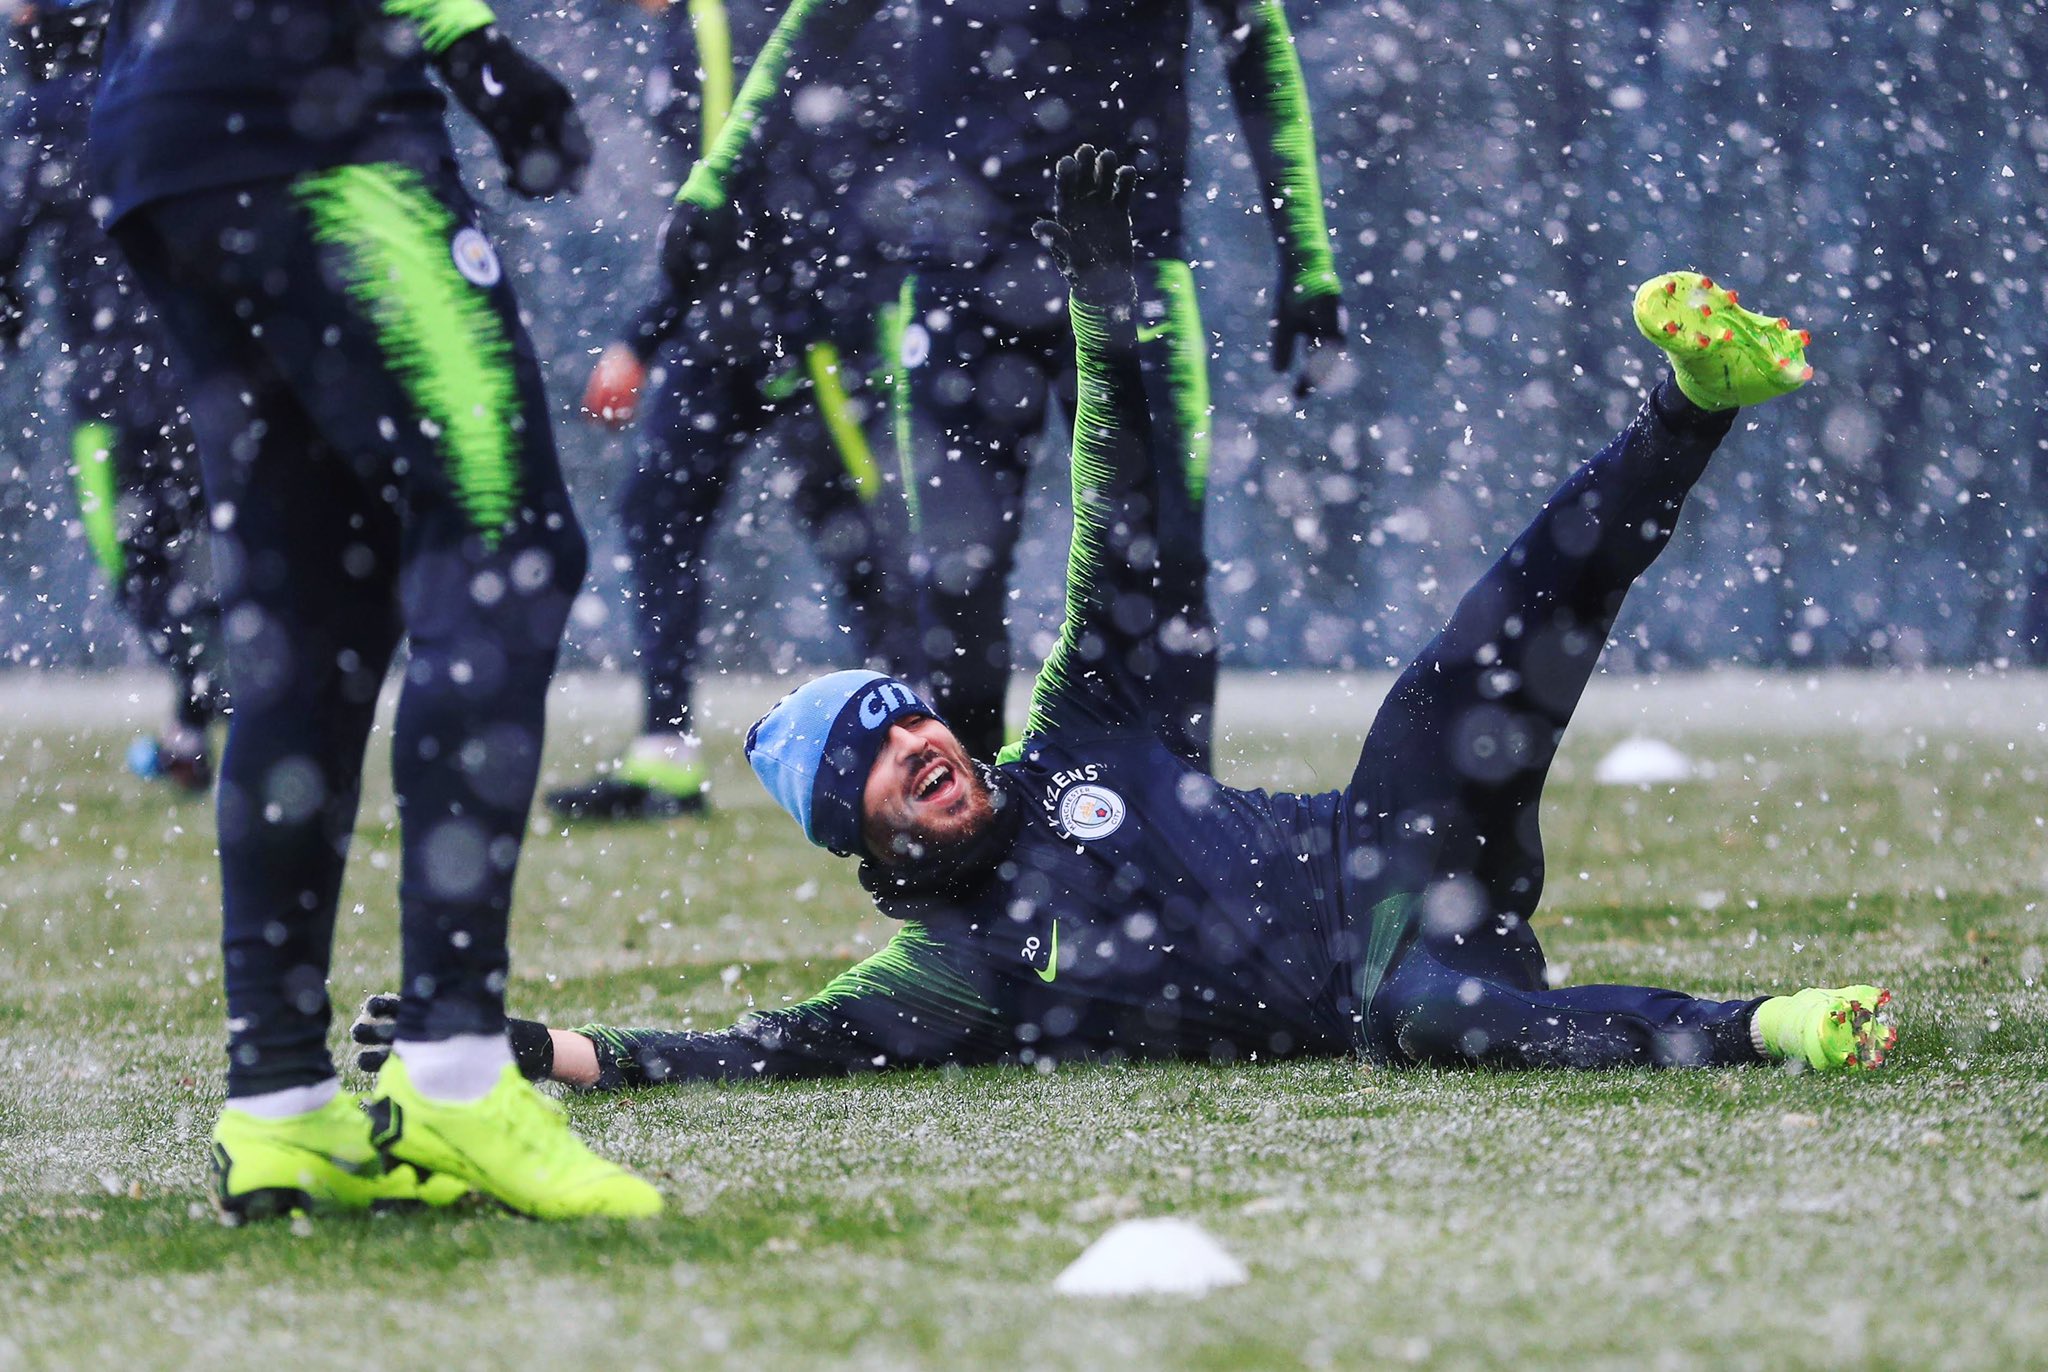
374, 436
786, 343
1001, 89
131, 458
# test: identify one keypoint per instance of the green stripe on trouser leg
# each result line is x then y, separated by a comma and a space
436, 327
892, 329
835, 407
1187, 368
92, 472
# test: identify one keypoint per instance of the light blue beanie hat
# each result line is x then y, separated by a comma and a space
814, 750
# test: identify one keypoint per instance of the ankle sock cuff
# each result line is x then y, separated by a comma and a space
287, 1101
459, 1069
1678, 411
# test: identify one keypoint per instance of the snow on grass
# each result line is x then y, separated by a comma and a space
1391, 1217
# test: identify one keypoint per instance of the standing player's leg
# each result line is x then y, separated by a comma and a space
385, 312
306, 564
138, 502
432, 384
167, 586
1174, 354
841, 497
978, 390
1444, 845
704, 412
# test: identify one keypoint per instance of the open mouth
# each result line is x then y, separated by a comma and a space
935, 781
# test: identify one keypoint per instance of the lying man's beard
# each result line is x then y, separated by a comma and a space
915, 859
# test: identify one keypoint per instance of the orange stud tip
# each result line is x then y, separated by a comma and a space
1806, 375
1671, 288
1805, 337
1706, 311
1671, 327
1784, 323
1884, 998
1727, 335
1850, 1061
1706, 283
1704, 341
1733, 297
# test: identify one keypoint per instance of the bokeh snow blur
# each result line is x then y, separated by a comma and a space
1499, 173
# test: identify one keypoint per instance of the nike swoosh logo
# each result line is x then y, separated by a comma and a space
1052, 957
493, 87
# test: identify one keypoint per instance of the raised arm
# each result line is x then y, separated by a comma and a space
1272, 105
526, 111
700, 229
1097, 675
809, 31
611, 397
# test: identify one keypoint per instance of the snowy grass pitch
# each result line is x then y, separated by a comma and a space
1888, 829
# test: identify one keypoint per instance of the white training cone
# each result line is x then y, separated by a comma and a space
1643, 762
1147, 1257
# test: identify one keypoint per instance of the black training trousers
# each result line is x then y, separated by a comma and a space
1442, 858
377, 459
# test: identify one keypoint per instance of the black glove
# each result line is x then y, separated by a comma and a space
13, 317
696, 246
525, 110
1314, 321
376, 1027
1089, 234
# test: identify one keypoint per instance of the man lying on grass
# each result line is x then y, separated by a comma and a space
1093, 895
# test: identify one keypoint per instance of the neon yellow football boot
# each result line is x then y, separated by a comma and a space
642, 786
1828, 1028
322, 1160
514, 1145
1722, 355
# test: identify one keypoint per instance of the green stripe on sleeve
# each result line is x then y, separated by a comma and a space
1093, 470
92, 471
712, 27
441, 335
1314, 272
706, 184
906, 969
441, 22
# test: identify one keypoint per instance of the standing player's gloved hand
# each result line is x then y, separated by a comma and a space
526, 111
612, 395
1089, 234
1316, 323
696, 243
375, 1027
